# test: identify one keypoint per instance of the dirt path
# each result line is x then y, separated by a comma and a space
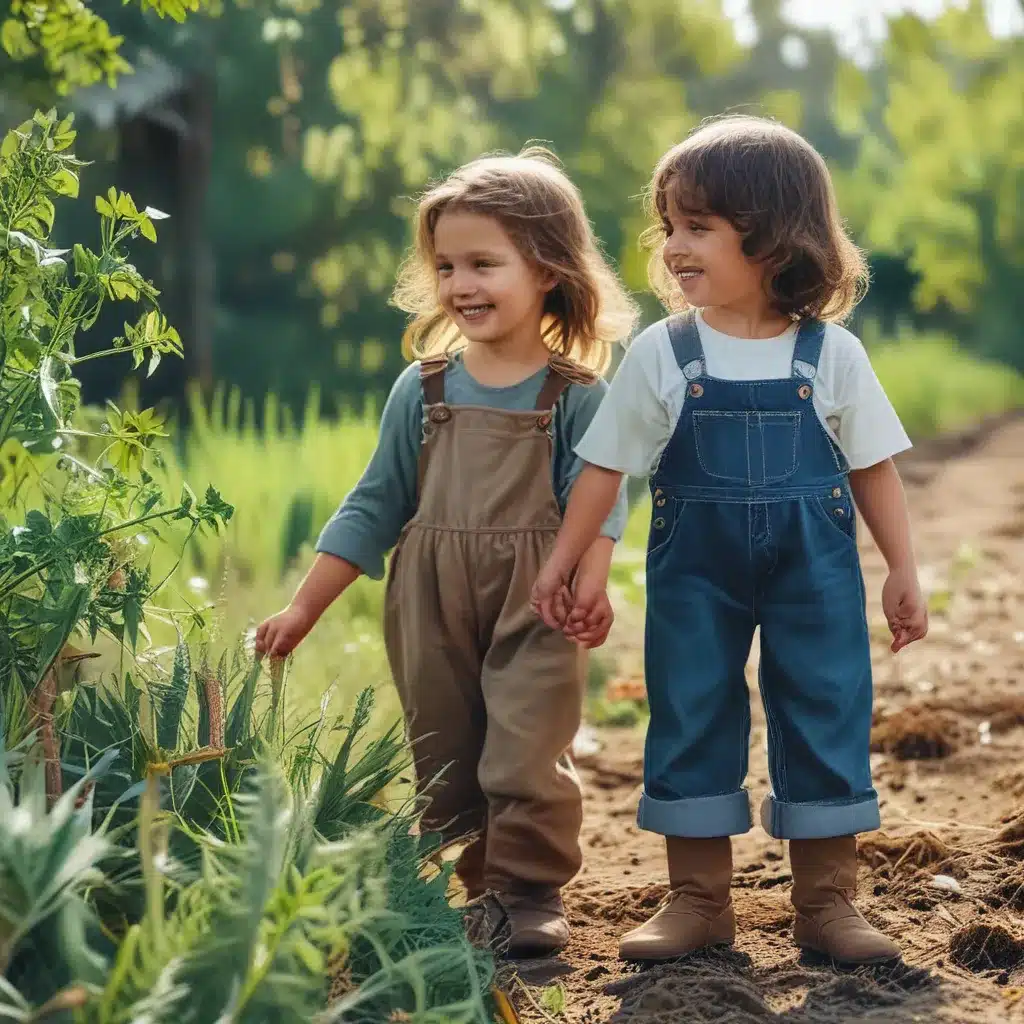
949, 768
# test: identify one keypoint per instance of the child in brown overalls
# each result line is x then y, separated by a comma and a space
514, 311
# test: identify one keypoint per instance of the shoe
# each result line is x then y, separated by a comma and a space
698, 910
538, 925
518, 926
827, 922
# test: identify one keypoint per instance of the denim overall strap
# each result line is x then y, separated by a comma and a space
807, 350
686, 345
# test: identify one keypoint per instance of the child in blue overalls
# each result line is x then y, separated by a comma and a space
762, 426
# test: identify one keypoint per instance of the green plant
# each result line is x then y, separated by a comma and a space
75, 499
937, 386
288, 476
173, 848
74, 43
303, 898
48, 862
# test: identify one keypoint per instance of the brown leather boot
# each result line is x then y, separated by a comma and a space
697, 911
827, 922
518, 925
538, 926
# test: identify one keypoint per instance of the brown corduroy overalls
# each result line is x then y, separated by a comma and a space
492, 697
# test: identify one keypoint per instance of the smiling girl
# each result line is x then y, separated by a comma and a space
514, 312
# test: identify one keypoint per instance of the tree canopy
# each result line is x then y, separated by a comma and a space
323, 121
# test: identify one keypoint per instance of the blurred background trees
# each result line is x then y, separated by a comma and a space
287, 139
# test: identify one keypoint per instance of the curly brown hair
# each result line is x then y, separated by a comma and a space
588, 309
774, 188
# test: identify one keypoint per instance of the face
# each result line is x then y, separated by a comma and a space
488, 288
705, 256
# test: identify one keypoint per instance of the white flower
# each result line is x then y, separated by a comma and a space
19, 822
81, 577
198, 584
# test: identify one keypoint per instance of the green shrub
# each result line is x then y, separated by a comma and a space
174, 848
937, 387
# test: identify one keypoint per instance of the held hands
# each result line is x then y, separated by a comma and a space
590, 617
905, 608
583, 613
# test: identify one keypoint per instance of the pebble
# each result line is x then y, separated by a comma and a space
587, 743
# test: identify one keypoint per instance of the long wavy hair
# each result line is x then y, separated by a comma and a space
774, 188
587, 310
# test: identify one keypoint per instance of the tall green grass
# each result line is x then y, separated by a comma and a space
938, 387
288, 478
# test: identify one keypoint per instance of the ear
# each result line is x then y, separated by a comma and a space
548, 279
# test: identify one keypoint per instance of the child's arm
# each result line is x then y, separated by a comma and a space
328, 578
593, 497
365, 527
879, 494
586, 615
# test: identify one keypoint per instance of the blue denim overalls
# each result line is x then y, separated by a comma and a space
753, 525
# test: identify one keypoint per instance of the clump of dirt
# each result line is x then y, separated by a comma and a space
1012, 782
723, 987
917, 733
892, 855
1009, 841
711, 986
1002, 713
759, 875
623, 909
987, 945
1006, 891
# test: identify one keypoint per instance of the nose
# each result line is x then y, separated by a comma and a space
674, 246
462, 283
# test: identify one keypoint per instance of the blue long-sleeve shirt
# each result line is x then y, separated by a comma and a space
370, 519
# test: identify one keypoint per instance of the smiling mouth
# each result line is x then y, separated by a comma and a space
688, 273
474, 312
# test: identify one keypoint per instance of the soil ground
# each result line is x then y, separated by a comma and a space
949, 768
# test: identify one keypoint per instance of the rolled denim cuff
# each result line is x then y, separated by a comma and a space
702, 817
819, 820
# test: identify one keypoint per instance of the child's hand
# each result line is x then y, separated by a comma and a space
905, 608
281, 633
550, 598
591, 617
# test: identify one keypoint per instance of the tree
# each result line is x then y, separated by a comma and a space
69, 43
940, 175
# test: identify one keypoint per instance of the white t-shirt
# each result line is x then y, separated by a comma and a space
639, 413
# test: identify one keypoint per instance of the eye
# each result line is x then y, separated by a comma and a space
444, 268
697, 226
482, 264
